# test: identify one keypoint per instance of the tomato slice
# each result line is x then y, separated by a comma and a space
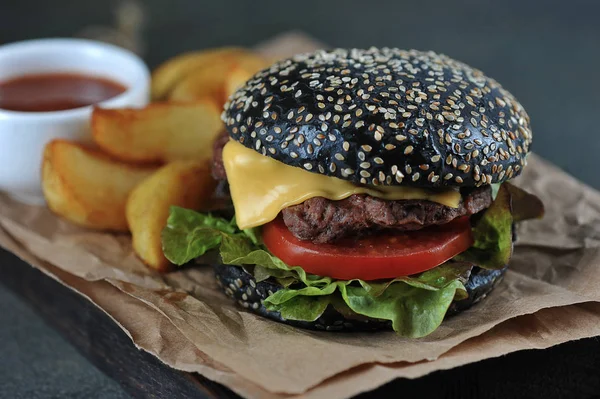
382, 256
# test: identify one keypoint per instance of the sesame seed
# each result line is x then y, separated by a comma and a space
402, 88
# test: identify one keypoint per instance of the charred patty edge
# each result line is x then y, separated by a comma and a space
321, 220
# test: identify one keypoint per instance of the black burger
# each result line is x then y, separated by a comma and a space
370, 191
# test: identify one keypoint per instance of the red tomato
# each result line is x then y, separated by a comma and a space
382, 256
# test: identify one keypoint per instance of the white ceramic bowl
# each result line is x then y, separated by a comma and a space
23, 135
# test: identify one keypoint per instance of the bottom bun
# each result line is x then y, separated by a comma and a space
242, 287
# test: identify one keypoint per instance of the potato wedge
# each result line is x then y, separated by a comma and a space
161, 132
236, 79
206, 82
187, 184
86, 187
172, 71
219, 79
242, 72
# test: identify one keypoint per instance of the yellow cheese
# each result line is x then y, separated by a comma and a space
261, 187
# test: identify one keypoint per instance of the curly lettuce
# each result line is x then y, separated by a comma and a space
415, 305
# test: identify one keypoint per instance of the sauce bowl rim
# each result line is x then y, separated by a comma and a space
131, 89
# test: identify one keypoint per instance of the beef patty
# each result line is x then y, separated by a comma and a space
218, 169
321, 220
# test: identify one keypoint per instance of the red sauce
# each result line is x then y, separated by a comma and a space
55, 92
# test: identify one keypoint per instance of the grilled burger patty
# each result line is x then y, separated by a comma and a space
218, 169
321, 220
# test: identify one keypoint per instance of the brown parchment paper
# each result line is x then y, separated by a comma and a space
550, 295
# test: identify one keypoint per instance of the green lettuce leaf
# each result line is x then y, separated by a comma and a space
495, 188
415, 305
492, 233
306, 304
414, 312
493, 244
189, 234
234, 251
524, 206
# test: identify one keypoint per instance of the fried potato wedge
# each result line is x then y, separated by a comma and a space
161, 132
185, 183
87, 187
242, 72
218, 80
167, 75
206, 82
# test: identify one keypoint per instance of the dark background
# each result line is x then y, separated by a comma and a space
547, 53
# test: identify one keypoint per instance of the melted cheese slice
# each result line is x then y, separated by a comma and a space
261, 187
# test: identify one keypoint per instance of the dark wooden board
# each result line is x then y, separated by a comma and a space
99, 339
570, 370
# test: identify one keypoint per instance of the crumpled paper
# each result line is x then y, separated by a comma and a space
548, 296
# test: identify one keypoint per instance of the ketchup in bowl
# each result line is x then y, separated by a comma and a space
55, 92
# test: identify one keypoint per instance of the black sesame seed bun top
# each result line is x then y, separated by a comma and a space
383, 116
